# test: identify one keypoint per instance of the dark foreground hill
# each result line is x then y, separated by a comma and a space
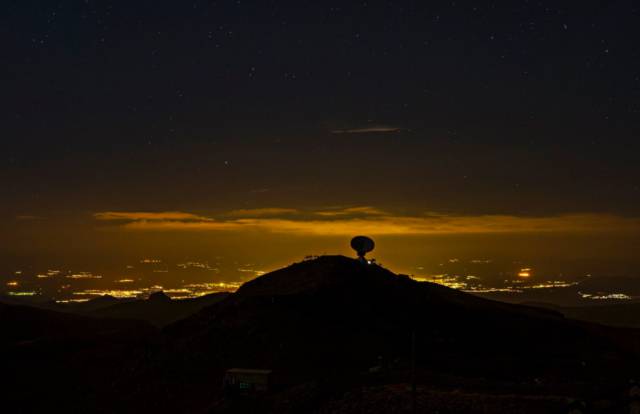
333, 320
619, 314
59, 361
335, 313
338, 335
159, 309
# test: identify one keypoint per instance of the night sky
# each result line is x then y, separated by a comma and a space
266, 130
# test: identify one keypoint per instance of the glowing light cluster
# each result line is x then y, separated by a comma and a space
605, 296
550, 284
470, 283
197, 265
30, 293
150, 261
83, 275
249, 270
481, 289
201, 289
72, 300
116, 293
452, 282
526, 272
48, 274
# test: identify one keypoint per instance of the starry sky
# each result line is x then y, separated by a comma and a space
273, 129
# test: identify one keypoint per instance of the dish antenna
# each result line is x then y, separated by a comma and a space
362, 245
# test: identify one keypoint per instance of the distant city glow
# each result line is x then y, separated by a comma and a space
493, 290
607, 296
150, 261
524, 272
197, 265
472, 283
83, 275
116, 293
185, 280
190, 290
551, 284
256, 272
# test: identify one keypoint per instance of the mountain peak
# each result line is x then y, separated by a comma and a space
159, 297
317, 274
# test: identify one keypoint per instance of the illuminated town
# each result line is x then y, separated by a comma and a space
192, 278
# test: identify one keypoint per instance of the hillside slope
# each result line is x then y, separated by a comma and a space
335, 315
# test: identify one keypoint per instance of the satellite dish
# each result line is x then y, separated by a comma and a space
362, 245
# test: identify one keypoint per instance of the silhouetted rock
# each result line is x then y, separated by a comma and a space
159, 297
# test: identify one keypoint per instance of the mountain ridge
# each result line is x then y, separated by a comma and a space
374, 312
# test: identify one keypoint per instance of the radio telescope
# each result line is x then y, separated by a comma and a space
362, 245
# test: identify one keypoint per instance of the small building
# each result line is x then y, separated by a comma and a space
247, 381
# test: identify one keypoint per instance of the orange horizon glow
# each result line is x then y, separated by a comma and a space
364, 220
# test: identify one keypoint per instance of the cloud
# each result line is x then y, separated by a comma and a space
27, 217
147, 216
368, 220
365, 130
262, 212
365, 210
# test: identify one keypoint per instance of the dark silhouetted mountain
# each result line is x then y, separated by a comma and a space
628, 285
98, 303
27, 325
159, 309
620, 314
73, 307
337, 334
335, 317
61, 360
158, 297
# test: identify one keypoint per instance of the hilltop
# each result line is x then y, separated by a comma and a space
337, 311
334, 319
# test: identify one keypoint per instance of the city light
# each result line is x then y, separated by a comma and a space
524, 272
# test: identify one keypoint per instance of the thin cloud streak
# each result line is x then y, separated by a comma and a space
262, 212
27, 217
377, 129
148, 216
366, 210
